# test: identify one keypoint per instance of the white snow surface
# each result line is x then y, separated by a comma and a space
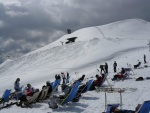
123, 41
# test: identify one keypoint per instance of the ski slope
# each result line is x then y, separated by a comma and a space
123, 41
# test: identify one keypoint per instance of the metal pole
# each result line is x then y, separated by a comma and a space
105, 101
120, 100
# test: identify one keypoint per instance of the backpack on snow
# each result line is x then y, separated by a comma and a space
140, 79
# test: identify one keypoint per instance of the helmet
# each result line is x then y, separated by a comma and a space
48, 82
28, 85
96, 75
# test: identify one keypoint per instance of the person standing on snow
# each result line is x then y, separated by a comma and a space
17, 86
145, 59
106, 67
102, 68
115, 66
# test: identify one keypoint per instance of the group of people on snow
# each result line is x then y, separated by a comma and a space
104, 68
21, 94
29, 90
124, 71
66, 88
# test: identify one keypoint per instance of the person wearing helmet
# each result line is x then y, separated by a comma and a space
29, 90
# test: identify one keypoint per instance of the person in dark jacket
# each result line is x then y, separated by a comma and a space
120, 75
68, 77
63, 77
137, 65
106, 67
48, 84
56, 76
145, 59
102, 68
81, 78
122, 70
115, 66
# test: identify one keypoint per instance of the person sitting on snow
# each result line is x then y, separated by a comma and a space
28, 91
56, 99
48, 84
97, 82
137, 65
82, 78
120, 75
116, 110
68, 77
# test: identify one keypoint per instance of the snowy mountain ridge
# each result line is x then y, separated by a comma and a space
90, 47
125, 41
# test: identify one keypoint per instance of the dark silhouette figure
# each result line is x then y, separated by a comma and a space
102, 68
56, 76
115, 66
69, 31
81, 78
137, 65
106, 67
68, 77
122, 71
145, 59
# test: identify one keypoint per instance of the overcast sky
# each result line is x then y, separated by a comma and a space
26, 25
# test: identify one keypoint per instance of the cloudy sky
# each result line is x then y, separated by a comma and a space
26, 25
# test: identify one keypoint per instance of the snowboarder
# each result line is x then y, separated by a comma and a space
115, 66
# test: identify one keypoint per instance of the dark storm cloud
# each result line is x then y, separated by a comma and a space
26, 25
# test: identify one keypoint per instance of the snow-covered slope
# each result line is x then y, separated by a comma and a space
124, 41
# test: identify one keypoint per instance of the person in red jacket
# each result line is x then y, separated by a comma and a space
29, 90
98, 80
